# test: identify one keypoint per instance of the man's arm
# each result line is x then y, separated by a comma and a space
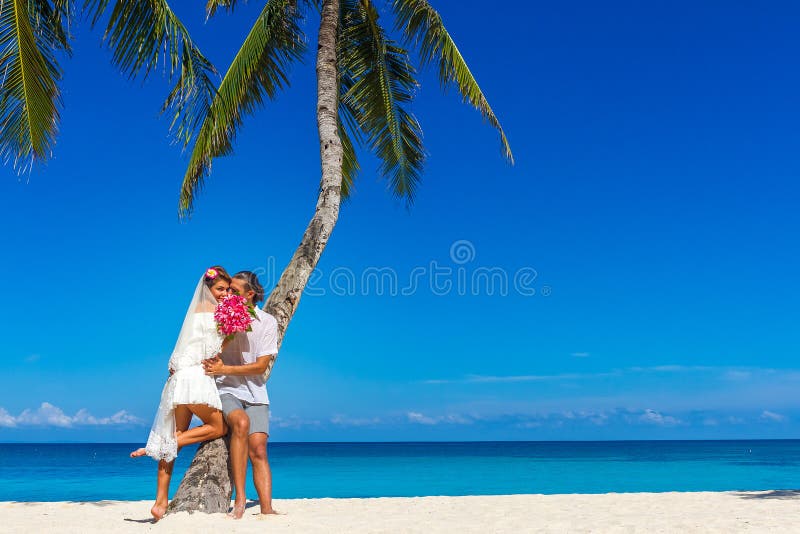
214, 366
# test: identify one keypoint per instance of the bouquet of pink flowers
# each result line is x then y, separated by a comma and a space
234, 314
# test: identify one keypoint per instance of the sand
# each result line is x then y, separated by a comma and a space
776, 511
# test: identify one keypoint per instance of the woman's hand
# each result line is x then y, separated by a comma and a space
214, 366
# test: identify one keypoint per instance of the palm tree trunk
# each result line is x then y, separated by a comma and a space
208, 483
283, 301
197, 491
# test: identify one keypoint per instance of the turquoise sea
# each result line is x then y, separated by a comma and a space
90, 472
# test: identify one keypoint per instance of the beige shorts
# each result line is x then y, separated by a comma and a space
257, 413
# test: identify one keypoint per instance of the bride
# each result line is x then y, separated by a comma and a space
188, 391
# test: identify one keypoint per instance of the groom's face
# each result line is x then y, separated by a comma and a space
238, 287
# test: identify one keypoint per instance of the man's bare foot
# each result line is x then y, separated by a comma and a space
138, 452
158, 511
238, 510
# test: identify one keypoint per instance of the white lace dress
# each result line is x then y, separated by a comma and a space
188, 385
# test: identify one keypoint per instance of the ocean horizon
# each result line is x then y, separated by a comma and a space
103, 471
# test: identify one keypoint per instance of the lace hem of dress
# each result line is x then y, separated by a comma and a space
161, 447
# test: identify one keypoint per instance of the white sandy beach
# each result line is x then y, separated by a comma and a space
776, 511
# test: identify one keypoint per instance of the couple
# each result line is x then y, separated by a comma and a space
236, 400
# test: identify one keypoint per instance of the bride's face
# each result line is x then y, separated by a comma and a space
219, 289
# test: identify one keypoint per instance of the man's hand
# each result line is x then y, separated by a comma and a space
213, 366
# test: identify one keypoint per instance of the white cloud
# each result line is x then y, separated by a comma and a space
529, 424
415, 417
343, 420
6, 419
734, 374
120, 418
294, 422
457, 419
50, 415
493, 379
737, 375
594, 417
766, 415
454, 419
598, 419
655, 418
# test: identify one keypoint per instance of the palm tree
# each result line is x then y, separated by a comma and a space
365, 85
34, 34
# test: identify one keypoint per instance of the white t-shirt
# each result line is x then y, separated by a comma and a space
246, 348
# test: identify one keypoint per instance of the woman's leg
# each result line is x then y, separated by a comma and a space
213, 425
162, 489
183, 418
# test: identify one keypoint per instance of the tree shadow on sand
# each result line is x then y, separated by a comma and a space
774, 494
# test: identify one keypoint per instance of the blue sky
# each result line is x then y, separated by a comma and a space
654, 196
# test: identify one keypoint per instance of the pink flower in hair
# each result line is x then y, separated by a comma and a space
211, 273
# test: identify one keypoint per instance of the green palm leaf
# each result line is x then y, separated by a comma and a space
30, 34
259, 71
137, 32
378, 83
350, 166
213, 5
54, 17
348, 127
423, 26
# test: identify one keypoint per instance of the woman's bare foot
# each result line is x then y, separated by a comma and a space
238, 510
138, 452
158, 510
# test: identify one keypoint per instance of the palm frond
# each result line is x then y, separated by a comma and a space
55, 16
137, 32
213, 5
30, 35
259, 71
350, 166
378, 82
348, 127
423, 26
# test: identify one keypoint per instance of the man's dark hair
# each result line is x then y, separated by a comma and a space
251, 283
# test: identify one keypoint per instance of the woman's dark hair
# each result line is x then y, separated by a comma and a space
214, 274
251, 283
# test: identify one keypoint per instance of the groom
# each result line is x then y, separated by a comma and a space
242, 388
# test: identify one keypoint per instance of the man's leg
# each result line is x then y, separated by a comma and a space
259, 433
240, 428
239, 424
262, 475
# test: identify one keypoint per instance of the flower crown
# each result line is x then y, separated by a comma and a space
211, 273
